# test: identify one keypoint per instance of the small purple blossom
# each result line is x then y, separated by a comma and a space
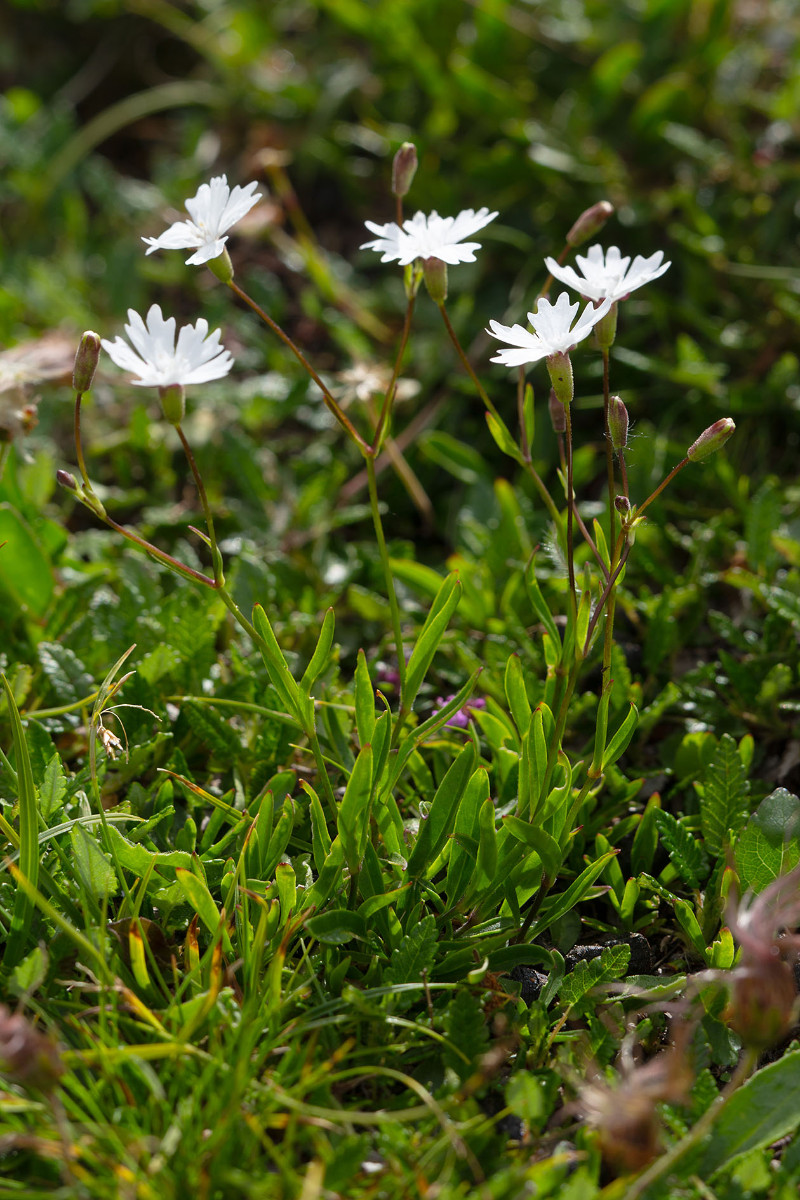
461, 718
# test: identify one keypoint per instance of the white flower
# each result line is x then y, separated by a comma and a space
608, 276
213, 210
429, 237
553, 332
196, 358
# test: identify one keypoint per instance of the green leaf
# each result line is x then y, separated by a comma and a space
764, 1109
279, 839
201, 900
465, 1027
500, 432
22, 913
517, 696
722, 797
137, 858
352, 819
25, 570
538, 840
214, 732
430, 635
770, 842
683, 848
321, 655
94, 868
436, 828
487, 843
538, 603
53, 788
415, 954
461, 866
278, 669
611, 964
337, 926
364, 701
29, 974
556, 906
621, 739
67, 674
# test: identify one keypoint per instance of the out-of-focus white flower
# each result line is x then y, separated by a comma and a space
608, 275
553, 331
213, 211
159, 361
429, 237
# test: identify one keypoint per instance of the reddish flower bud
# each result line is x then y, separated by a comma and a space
590, 222
66, 480
711, 439
404, 168
558, 416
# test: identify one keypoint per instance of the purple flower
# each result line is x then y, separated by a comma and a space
461, 718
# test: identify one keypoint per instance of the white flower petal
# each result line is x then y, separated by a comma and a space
608, 275
429, 237
196, 357
553, 331
214, 209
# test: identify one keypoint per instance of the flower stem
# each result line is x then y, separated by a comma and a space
216, 557
467, 364
612, 512
79, 443
570, 511
388, 577
330, 402
388, 400
662, 485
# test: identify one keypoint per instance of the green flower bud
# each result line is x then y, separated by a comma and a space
173, 402
711, 439
560, 369
86, 361
435, 275
404, 168
557, 415
589, 223
221, 266
618, 423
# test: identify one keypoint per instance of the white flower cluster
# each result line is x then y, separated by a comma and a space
196, 356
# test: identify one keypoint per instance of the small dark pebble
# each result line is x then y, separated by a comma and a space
641, 963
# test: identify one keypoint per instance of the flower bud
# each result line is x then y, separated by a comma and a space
589, 223
618, 423
622, 504
66, 480
560, 369
221, 266
558, 417
711, 439
26, 1055
763, 998
173, 402
435, 275
404, 168
86, 361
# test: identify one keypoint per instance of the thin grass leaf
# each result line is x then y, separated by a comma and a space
22, 913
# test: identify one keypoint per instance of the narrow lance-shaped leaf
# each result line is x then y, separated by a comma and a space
321, 655
22, 913
433, 630
353, 816
364, 701
461, 866
278, 668
517, 695
436, 828
621, 739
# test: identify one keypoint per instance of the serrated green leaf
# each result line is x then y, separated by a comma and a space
722, 799
53, 788
213, 731
415, 954
611, 964
684, 849
465, 1028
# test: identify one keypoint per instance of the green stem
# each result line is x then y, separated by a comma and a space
390, 391
333, 407
467, 364
389, 581
612, 512
570, 511
216, 557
